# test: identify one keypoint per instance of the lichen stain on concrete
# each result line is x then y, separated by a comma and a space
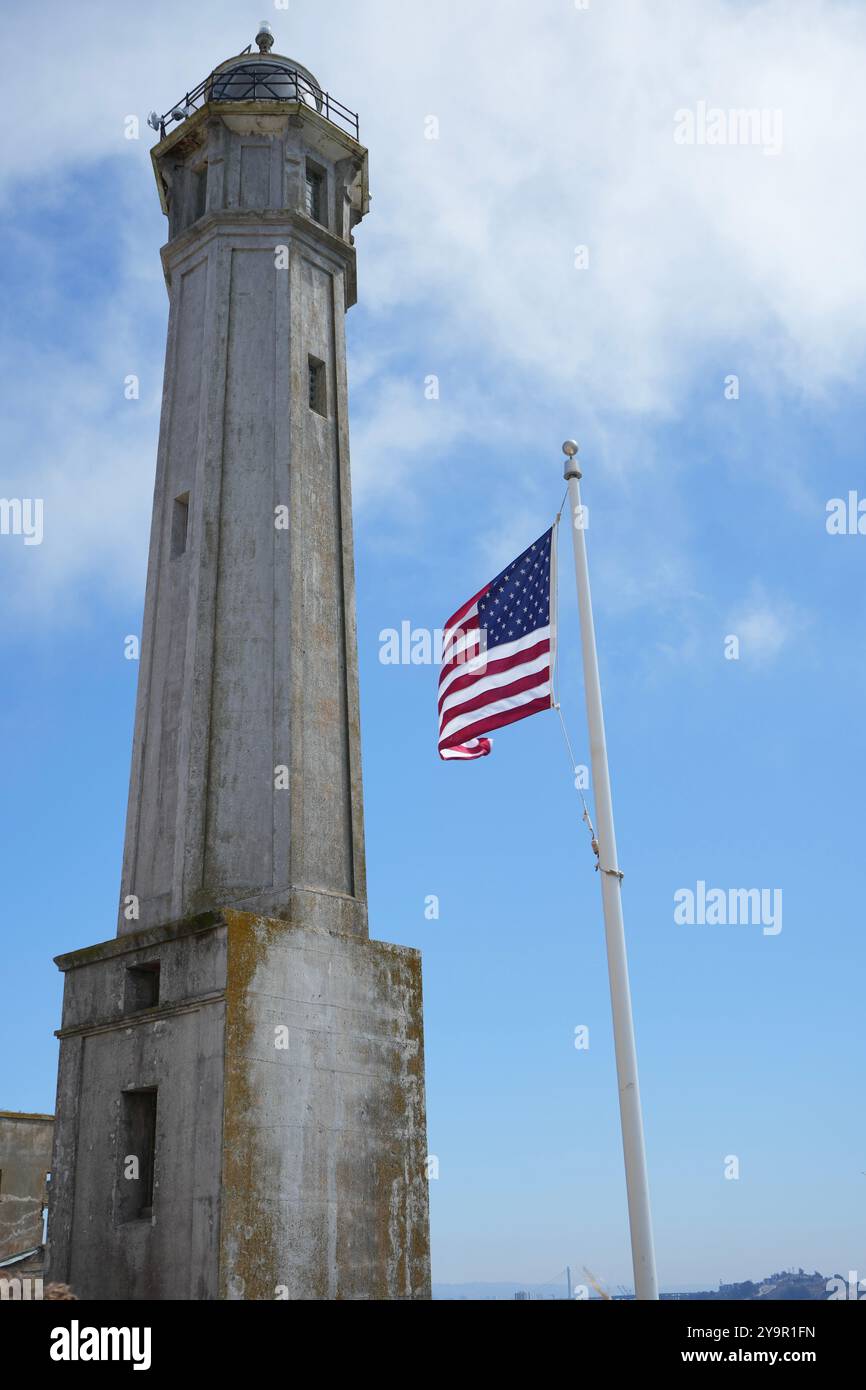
395, 1114
248, 1256
342, 1212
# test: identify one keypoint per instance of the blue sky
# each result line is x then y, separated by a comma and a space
707, 518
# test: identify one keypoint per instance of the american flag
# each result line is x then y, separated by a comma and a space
498, 653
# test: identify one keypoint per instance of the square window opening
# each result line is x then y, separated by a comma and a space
142, 987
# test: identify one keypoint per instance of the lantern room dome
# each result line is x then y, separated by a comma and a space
258, 77
265, 77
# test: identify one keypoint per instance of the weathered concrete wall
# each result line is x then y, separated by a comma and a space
249, 660
288, 1163
175, 1047
25, 1158
325, 1182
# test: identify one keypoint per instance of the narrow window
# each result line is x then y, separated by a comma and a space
314, 200
137, 1155
200, 177
318, 386
142, 987
179, 525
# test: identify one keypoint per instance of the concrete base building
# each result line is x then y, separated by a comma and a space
240, 1107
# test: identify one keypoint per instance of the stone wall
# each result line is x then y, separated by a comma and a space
25, 1159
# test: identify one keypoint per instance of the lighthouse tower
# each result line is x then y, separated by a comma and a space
240, 1109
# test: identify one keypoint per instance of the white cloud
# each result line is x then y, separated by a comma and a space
765, 625
92, 465
556, 129
399, 424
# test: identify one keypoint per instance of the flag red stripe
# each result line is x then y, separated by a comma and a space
502, 692
493, 668
497, 721
484, 747
464, 607
465, 629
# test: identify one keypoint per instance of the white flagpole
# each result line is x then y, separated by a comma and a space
640, 1223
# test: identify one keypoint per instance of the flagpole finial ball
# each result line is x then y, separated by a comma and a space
570, 449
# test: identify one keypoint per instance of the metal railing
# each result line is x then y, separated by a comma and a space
260, 79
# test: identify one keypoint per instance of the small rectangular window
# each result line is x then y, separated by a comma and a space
142, 987
179, 525
314, 200
137, 1156
200, 177
318, 387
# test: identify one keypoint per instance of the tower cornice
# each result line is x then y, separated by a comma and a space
238, 222
263, 119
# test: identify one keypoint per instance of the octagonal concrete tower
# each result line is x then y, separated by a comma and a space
249, 667
240, 1104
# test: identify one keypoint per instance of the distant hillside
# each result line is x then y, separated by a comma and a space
789, 1285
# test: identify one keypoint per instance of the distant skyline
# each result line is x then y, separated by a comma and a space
581, 1288
543, 259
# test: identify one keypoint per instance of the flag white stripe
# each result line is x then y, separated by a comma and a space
498, 653
464, 612
499, 678
525, 697
462, 650
464, 751
472, 665
448, 635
